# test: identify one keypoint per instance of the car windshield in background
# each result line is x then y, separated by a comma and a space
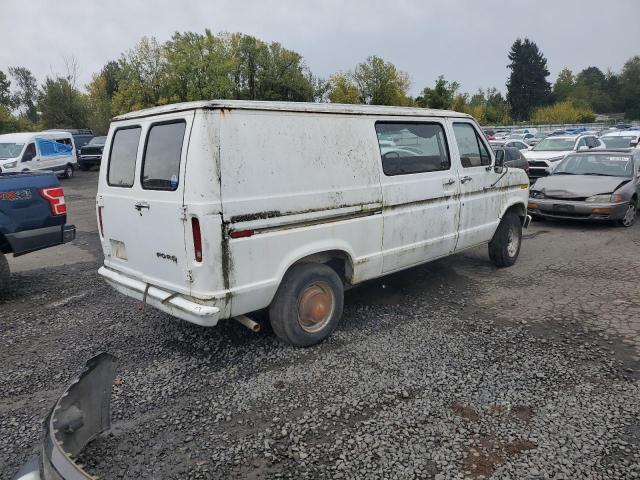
555, 145
618, 142
10, 150
97, 141
599, 164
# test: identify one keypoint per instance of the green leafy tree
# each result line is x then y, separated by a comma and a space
141, 81
614, 89
591, 90
10, 123
99, 104
26, 94
61, 104
381, 83
564, 86
630, 88
343, 89
440, 96
5, 92
527, 87
198, 67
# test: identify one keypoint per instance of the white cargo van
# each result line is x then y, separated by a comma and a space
211, 210
22, 152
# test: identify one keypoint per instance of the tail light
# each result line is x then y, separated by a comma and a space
55, 197
197, 238
100, 222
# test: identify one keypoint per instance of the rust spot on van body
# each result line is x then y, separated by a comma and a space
256, 216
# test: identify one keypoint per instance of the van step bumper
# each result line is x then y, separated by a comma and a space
169, 302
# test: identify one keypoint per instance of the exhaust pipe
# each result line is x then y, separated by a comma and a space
247, 322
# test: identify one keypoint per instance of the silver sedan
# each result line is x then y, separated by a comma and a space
593, 185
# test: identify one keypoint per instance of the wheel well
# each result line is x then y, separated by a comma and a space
519, 209
337, 260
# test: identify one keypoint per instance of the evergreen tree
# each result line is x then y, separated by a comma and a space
527, 87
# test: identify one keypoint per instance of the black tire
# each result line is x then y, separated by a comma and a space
4, 273
504, 247
630, 217
68, 171
306, 291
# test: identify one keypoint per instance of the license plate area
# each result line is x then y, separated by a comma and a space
563, 207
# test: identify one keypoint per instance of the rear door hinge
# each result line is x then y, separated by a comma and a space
190, 276
183, 213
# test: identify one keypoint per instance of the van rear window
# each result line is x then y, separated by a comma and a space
122, 157
412, 147
161, 164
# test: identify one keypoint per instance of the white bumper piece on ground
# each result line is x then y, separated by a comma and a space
169, 302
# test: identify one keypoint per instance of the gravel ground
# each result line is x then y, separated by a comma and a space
444, 371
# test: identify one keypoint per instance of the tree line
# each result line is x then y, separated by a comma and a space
193, 66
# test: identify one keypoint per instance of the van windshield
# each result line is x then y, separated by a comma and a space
10, 150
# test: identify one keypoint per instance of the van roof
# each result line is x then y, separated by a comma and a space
334, 108
22, 137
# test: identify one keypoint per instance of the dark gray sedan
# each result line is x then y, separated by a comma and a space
592, 185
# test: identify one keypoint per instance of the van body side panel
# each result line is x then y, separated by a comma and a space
305, 183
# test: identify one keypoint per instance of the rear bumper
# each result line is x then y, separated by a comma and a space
32, 240
169, 302
565, 209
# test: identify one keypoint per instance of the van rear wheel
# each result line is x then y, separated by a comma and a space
308, 304
504, 247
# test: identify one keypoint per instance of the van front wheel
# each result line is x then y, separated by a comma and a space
504, 247
308, 304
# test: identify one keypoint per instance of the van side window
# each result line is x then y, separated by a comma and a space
161, 163
29, 153
408, 148
473, 153
122, 157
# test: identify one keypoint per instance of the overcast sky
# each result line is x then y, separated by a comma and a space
464, 40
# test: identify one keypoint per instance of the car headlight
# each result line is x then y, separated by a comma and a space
536, 194
602, 198
10, 164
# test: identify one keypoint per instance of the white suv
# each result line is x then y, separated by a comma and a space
545, 155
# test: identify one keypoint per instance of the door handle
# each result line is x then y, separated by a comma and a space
465, 179
140, 205
451, 181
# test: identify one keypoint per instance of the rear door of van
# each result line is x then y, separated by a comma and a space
141, 198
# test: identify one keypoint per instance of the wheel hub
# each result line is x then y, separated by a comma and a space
512, 243
315, 307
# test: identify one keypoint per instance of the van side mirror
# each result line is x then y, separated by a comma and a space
633, 143
28, 156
